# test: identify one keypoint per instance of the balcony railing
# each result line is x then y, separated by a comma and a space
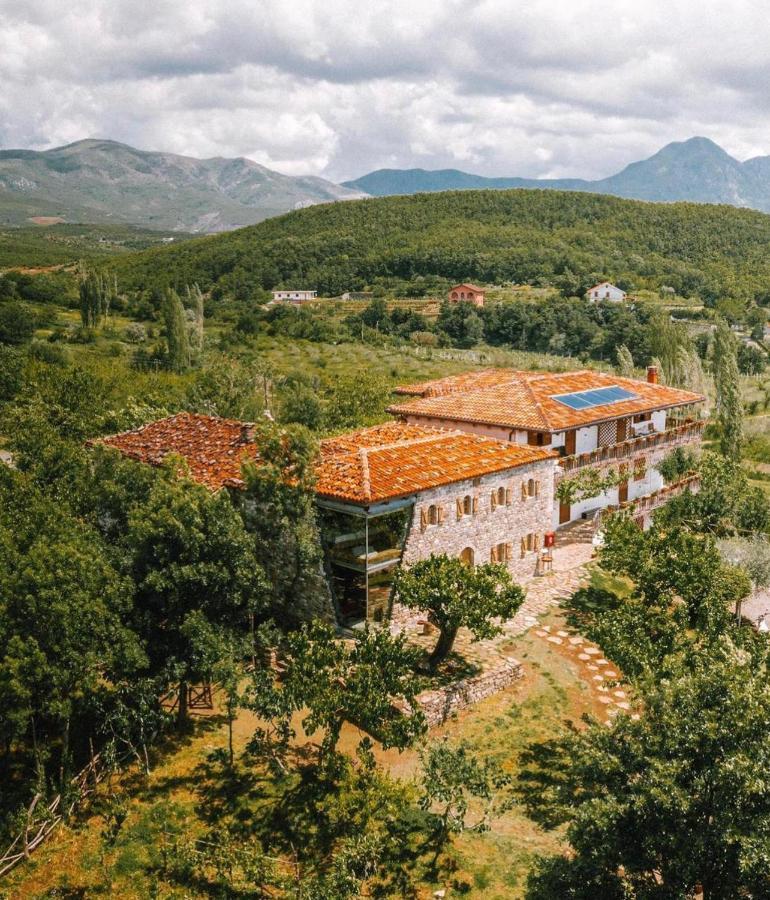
671, 437
653, 501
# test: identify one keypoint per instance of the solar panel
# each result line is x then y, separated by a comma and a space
595, 397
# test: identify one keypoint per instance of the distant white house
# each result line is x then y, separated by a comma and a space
295, 296
606, 291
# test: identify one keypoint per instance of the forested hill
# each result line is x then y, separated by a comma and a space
568, 239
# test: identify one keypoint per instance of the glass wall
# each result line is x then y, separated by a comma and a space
363, 551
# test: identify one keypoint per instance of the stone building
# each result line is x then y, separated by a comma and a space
592, 419
398, 493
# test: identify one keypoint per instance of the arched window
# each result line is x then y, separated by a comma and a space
501, 496
433, 514
467, 557
454, 295
467, 505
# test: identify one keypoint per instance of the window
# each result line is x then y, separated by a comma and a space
467, 556
500, 553
467, 505
433, 514
530, 488
501, 496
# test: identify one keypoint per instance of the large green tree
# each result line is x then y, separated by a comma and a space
196, 578
454, 595
673, 801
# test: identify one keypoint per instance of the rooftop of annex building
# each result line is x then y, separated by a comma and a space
537, 401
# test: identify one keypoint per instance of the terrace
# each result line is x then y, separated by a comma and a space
678, 435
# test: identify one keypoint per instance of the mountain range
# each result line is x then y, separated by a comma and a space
103, 182
697, 170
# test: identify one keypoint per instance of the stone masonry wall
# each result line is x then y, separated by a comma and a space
437, 705
486, 527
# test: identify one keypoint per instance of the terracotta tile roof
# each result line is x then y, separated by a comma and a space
513, 399
472, 287
213, 448
396, 460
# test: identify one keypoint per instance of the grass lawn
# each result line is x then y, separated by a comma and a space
178, 797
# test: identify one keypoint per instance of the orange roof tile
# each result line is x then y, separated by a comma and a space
395, 460
513, 399
213, 448
366, 466
467, 284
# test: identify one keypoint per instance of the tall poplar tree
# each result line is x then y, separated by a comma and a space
729, 408
176, 331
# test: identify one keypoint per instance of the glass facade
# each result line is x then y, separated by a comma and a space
363, 549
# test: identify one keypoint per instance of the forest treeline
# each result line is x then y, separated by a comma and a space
564, 239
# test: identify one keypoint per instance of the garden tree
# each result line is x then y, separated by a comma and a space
625, 361
177, 339
724, 503
674, 569
455, 595
278, 508
588, 483
729, 408
355, 400
454, 777
229, 388
677, 464
197, 579
131, 718
17, 324
672, 802
62, 624
751, 554
751, 360
299, 404
338, 681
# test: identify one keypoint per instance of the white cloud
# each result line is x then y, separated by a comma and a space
337, 87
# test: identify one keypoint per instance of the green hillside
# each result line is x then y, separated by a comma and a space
61, 245
535, 237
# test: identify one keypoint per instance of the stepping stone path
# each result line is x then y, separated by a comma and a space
583, 656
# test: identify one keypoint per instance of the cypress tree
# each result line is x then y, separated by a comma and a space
176, 331
729, 408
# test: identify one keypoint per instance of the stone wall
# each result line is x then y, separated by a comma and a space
438, 705
484, 528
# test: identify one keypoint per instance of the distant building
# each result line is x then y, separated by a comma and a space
606, 291
295, 296
467, 292
357, 295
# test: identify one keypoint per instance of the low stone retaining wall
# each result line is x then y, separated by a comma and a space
439, 704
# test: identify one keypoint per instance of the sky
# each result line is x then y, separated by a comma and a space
535, 88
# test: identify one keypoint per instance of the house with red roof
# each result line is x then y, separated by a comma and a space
468, 293
590, 418
606, 291
470, 467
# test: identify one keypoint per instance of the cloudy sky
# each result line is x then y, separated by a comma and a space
544, 88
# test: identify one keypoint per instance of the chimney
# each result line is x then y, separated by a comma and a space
652, 374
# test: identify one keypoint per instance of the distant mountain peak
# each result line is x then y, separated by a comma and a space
695, 169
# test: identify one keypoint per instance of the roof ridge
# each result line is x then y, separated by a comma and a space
366, 481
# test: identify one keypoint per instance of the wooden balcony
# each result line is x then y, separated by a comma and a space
684, 433
650, 502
